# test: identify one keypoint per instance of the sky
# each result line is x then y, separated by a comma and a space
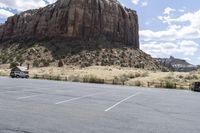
167, 27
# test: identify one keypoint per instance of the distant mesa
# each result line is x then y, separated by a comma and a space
176, 64
76, 20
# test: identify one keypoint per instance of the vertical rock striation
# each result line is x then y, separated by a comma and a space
78, 20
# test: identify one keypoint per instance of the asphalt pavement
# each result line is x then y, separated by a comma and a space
42, 106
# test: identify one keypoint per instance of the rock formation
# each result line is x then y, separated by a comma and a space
76, 20
176, 64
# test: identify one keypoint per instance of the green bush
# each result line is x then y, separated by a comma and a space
13, 64
181, 76
36, 63
42, 63
45, 63
4, 59
169, 85
35, 77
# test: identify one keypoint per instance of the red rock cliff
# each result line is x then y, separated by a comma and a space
76, 19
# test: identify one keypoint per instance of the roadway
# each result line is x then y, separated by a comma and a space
42, 106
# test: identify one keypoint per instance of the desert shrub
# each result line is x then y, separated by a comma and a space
35, 77
137, 66
74, 78
137, 83
137, 75
92, 79
116, 81
131, 76
169, 85
85, 64
180, 76
170, 76
119, 81
123, 78
3, 74
20, 59
45, 63
11, 59
60, 63
164, 69
145, 74
52, 77
4, 59
192, 77
36, 63
128, 76
42, 62
195, 76
45, 50
13, 64
57, 78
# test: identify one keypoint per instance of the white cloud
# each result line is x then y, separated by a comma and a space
5, 14
6, 6
198, 58
144, 4
51, 1
181, 10
135, 1
188, 47
168, 10
177, 28
158, 49
22, 5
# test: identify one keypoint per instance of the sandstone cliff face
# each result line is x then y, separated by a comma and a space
76, 19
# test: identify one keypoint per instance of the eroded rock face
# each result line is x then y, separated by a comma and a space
76, 19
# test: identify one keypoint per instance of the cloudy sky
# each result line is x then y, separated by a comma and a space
167, 27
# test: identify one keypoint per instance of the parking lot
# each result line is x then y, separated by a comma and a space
41, 106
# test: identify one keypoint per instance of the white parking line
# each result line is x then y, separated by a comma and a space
77, 98
19, 98
8, 92
113, 106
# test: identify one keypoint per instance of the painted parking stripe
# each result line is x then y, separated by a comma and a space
77, 98
8, 92
118, 103
26, 97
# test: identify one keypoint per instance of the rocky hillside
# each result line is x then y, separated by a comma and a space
175, 64
75, 32
45, 53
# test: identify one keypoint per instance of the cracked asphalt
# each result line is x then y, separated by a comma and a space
41, 106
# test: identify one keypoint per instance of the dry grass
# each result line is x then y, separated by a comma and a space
128, 76
4, 71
